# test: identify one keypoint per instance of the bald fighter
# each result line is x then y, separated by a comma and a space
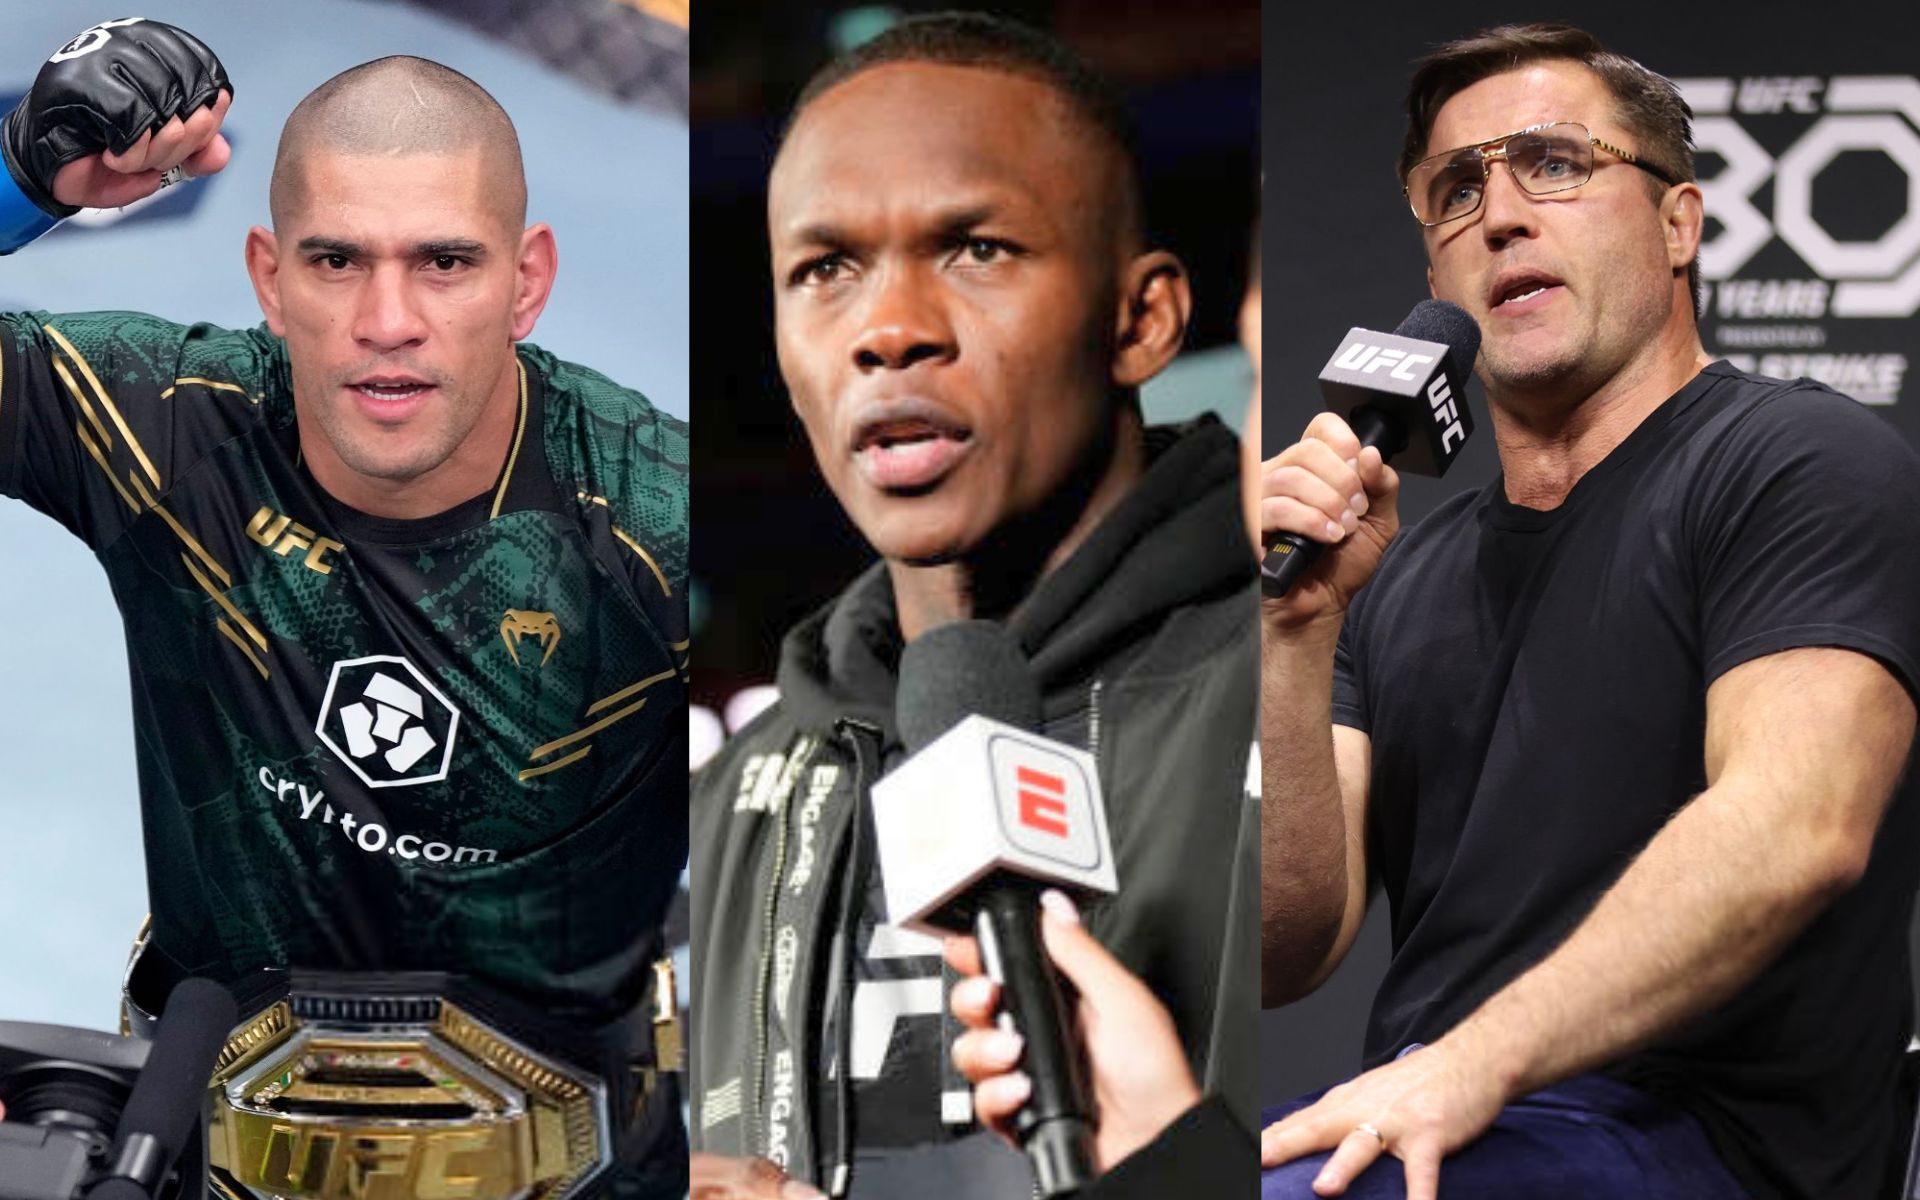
405, 597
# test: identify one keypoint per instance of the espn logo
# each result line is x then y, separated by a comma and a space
1047, 800
1366, 358
1043, 801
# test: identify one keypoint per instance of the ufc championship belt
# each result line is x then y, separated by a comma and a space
373, 1086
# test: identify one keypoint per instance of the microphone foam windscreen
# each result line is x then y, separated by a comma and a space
1447, 323
196, 1022
964, 669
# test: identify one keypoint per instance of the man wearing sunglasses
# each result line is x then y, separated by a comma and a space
1621, 734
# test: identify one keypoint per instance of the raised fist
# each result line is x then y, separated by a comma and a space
112, 112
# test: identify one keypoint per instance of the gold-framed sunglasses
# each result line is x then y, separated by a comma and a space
1554, 157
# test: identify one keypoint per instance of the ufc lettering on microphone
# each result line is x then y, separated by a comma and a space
986, 798
1373, 367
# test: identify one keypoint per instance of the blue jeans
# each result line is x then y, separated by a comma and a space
1590, 1138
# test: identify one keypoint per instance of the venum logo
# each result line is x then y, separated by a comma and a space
387, 722
542, 627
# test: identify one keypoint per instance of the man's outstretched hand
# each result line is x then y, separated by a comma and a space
112, 112
1424, 1105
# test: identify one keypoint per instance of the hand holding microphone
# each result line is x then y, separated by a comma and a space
1138, 1069
1391, 396
982, 817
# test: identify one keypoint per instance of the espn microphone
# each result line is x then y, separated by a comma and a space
982, 817
1403, 393
164, 1108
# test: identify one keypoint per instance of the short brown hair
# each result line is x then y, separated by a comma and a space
1647, 104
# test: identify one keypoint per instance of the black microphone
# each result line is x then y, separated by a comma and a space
165, 1107
1402, 392
982, 817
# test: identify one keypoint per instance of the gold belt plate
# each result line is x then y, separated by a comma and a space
436, 1107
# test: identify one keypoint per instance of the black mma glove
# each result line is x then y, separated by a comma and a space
103, 90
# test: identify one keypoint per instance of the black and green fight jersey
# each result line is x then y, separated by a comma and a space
452, 744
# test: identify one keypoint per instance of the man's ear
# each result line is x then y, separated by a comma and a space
1156, 302
538, 263
263, 267
1682, 219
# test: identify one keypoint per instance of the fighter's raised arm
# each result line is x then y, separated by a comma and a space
110, 117
116, 113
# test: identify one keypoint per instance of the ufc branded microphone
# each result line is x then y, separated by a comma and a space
982, 817
164, 1108
1402, 392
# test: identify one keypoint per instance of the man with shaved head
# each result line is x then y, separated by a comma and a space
405, 602
966, 305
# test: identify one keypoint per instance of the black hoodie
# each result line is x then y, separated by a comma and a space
1145, 645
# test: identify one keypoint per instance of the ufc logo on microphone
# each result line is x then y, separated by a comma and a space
1366, 359
1440, 397
1043, 802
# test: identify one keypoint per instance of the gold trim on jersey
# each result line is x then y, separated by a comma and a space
221, 624
212, 384
97, 446
568, 761
106, 402
100, 456
628, 538
80, 398
259, 639
604, 702
513, 455
180, 531
646, 558
623, 693
589, 731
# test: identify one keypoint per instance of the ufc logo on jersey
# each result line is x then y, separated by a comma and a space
283, 535
1366, 359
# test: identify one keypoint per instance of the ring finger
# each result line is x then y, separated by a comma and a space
1355, 1153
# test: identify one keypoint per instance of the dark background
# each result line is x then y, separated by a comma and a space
1342, 250
772, 544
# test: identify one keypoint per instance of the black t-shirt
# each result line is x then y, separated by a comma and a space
1534, 685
